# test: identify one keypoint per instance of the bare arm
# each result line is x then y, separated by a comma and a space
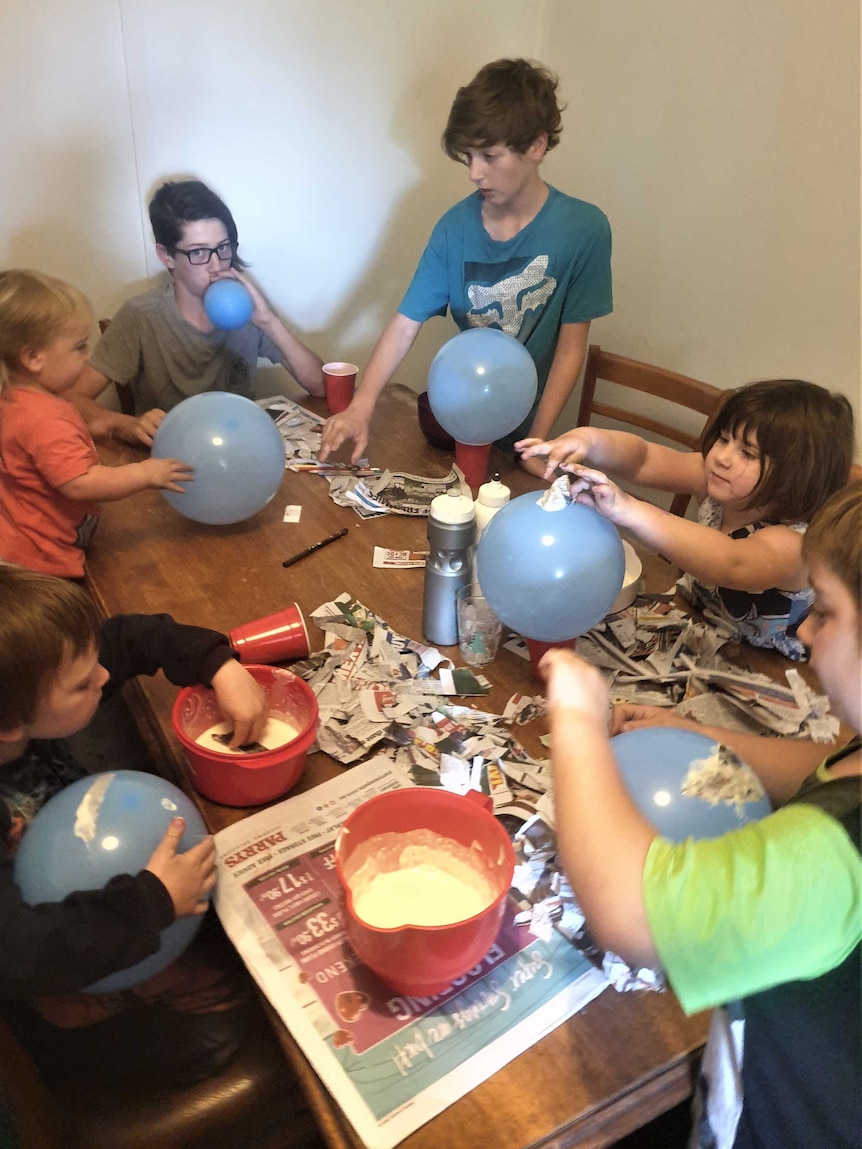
627, 457
781, 764
105, 424
106, 484
397, 339
602, 836
565, 369
302, 363
772, 557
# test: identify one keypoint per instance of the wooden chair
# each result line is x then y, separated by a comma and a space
667, 385
124, 390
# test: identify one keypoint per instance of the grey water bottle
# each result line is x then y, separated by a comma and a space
451, 531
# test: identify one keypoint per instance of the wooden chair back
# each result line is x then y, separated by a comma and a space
667, 385
124, 390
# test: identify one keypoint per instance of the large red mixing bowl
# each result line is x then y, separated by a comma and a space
422, 960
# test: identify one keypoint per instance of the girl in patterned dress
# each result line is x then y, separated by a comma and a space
771, 456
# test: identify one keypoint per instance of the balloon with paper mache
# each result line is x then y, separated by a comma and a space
686, 784
549, 567
102, 826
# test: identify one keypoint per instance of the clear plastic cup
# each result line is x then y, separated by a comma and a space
479, 629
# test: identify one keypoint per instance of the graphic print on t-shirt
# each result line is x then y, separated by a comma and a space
504, 294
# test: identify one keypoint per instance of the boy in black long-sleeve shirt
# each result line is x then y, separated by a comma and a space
57, 662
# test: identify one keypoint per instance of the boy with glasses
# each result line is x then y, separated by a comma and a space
164, 344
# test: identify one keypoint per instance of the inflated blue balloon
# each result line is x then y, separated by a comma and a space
549, 575
481, 385
235, 449
654, 762
228, 304
101, 826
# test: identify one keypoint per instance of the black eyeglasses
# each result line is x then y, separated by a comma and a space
201, 255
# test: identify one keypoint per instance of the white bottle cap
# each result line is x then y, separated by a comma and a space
452, 507
494, 494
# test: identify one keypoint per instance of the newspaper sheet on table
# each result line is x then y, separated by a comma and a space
391, 1062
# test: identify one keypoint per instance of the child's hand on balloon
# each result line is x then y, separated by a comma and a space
561, 452
147, 424
167, 474
632, 716
242, 700
535, 466
594, 489
187, 877
139, 431
574, 684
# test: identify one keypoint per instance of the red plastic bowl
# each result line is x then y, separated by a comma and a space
247, 779
423, 960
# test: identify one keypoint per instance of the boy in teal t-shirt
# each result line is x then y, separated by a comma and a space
517, 254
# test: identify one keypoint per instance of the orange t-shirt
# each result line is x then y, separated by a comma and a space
44, 443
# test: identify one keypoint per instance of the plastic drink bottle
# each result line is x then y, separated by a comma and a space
491, 497
451, 532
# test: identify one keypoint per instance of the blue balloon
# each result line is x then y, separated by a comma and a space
235, 449
481, 385
549, 575
654, 762
101, 826
228, 304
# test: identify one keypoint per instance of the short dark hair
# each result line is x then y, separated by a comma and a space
835, 538
804, 437
178, 202
510, 102
43, 620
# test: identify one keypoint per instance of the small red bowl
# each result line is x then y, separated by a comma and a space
247, 779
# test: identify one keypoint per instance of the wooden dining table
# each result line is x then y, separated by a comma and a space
614, 1066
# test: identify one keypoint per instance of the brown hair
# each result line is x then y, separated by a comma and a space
510, 102
34, 309
804, 436
42, 620
835, 538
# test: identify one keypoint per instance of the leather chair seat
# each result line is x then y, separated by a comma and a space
254, 1103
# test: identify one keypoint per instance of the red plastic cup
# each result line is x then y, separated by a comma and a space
537, 649
340, 380
279, 637
473, 461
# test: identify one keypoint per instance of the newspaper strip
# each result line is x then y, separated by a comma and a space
392, 492
384, 557
391, 1061
299, 428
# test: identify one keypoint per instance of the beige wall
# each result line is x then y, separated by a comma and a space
721, 140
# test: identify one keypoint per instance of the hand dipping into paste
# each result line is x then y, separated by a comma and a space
276, 733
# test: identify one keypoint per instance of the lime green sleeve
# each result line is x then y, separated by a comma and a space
775, 901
